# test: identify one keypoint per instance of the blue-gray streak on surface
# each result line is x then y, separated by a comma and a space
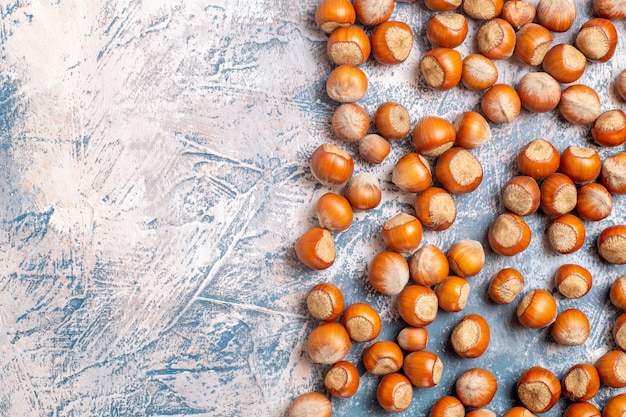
154, 160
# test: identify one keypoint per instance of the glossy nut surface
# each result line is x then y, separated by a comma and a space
442, 5
392, 120
373, 12
609, 9
518, 12
346, 84
459, 171
362, 322
509, 234
615, 406
331, 165
478, 72
581, 382
441, 68
581, 409
331, 14
374, 148
413, 339
539, 389
310, 403
532, 44
571, 328
619, 331
435, 208
394, 392
328, 343
348, 45
565, 63
471, 336
446, 30
501, 104
472, 130
423, 368
582, 165
573, 280
342, 380
617, 293
496, 39
363, 191
412, 173
325, 302
383, 357
518, 412
580, 104
566, 234
447, 406
452, 293
521, 195
433, 135
466, 257
539, 92
388, 272
392, 42
594, 202
418, 305
476, 387
483, 412
613, 173
316, 248
334, 212
612, 368
609, 129
429, 266
402, 233
506, 285
612, 244
537, 309
558, 195
597, 39
556, 15
538, 159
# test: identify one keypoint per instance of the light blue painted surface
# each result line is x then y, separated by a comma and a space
154, 165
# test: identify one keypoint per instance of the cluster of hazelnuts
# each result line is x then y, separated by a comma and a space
508, 30
557, 196
538, 388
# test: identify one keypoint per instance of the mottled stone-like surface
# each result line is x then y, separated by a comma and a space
154, 178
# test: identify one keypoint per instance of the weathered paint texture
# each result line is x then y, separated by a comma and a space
153, 180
